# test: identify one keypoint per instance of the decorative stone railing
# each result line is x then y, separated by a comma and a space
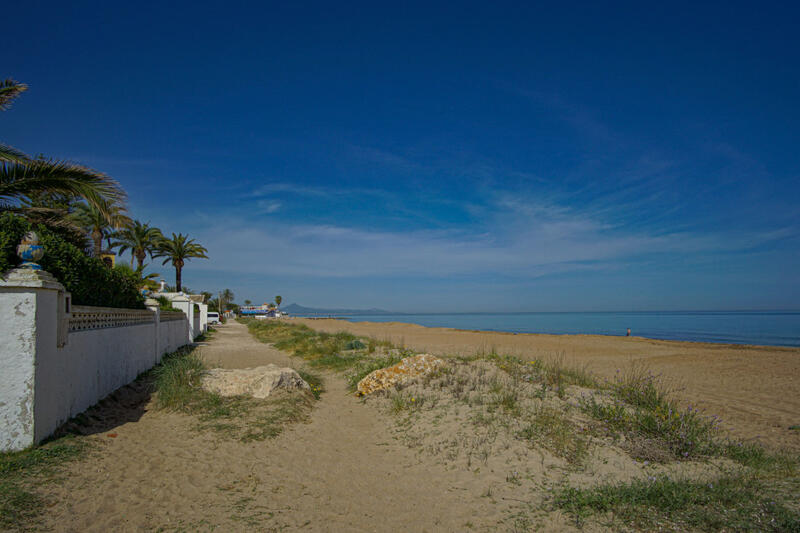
85, 317
167, 316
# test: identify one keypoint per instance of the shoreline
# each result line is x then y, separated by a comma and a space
753, 388
729, 334
710, 344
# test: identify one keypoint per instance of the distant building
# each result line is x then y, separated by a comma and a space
261, 311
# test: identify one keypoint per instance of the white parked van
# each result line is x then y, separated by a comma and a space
213, 318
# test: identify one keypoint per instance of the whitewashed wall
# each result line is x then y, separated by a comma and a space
93, 364
173, 332
196, 320
56, 361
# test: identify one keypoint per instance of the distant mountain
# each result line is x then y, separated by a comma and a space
299, 310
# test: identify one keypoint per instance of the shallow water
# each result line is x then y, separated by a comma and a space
779, 328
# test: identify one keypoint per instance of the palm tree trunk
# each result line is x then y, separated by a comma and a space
140, 258
97, 237
177, 278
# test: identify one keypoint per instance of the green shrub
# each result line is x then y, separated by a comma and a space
87, 278
165, 304
355, 345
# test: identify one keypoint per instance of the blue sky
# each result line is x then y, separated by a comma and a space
448, 157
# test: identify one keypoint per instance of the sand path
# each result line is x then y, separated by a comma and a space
341, 471
755, 389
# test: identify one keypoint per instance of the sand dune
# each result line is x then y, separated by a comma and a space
755, 389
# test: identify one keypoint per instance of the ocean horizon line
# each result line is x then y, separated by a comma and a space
682, 311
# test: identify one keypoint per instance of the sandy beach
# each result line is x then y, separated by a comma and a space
754, 389
343, 470
355, 464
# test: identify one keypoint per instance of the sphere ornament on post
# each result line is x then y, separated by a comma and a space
30, 251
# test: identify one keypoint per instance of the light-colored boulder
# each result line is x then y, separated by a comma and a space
258, 382
404, 371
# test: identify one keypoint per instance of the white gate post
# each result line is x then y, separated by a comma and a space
35, 311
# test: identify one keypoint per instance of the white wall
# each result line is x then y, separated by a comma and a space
196, 331
92, 365
42, 383
172, 335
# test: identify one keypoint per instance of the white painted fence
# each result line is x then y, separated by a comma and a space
56, 360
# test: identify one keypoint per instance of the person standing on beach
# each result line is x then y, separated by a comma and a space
629, 333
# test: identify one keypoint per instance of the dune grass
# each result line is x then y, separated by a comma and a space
641, 406
341, 352
21, 472
737, 502
758, 496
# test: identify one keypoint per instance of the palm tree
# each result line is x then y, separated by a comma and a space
278, 301
100, 222
140, 239
247, 302
22, 176
226, 297
178, 249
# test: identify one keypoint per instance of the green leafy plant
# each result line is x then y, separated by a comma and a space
87, 278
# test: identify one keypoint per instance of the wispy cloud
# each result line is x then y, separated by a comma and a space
524, 239
383, 157
268, 206
580, 118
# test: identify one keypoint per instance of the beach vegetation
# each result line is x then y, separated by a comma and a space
733, 502
564, 413
401, 401
177, 382
314, 381
641, 406
21, 472
551, 428
340, 352
344, 352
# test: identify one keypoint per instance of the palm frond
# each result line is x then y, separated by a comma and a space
22, 179
10, 89
53, 218
179, 248
9, 153
140, 238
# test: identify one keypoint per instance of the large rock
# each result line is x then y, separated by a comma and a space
406, 370
258, 382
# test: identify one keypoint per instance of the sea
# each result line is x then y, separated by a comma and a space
776, 328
